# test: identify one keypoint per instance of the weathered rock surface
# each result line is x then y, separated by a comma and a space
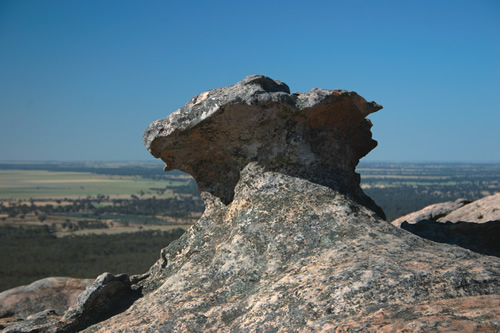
291, 255
319, 136
53, 293
462, 210
288, 241
432, 212
479, 211
472, 225
104, 297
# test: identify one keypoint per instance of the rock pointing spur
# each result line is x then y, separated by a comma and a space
288, 241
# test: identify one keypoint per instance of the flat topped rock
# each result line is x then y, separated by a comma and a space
319, 136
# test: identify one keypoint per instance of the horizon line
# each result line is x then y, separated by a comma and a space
154, 160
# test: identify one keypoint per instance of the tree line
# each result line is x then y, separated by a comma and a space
180, 206
33, 253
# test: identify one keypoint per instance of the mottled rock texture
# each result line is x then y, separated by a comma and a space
288, 242
290, 255
472, 225
50, 296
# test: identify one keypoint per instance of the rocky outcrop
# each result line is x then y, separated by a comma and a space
462, 210
479, 211
53, 293
319, 136
472, 225
432, 212
288, 241
290, 255
481, 238
103, 298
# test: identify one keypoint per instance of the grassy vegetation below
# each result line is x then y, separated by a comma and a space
33, 253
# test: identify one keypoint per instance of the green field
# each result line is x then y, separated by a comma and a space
41, 184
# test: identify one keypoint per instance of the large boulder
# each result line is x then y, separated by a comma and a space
106, 296
288, 241
432, 212
53, 293
479, 211
472, 225
461, 210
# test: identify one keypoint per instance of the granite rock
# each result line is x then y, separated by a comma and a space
479, 211
45, 300
432, 212
478, 237
290, 255
319, 135
461, 210
288, 241
107, 295
53, 293
472, 225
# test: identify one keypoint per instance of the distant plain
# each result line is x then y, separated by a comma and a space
42, 184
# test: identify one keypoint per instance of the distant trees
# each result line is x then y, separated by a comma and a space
32, 253
180, 206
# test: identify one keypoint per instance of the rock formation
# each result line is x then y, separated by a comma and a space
55, 294
288, 241
479, 211
432, 212
472, 225
319, 136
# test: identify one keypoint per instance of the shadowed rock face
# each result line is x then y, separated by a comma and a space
472, 225
319, 136
478, 237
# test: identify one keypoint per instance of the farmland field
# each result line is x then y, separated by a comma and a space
70, 201
42, 184
81, 219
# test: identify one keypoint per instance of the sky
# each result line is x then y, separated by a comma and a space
81, 80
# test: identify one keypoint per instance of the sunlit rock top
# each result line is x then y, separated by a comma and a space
319, 136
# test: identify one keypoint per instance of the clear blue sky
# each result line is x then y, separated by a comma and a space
82, 79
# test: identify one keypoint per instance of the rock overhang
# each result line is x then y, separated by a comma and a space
319, 135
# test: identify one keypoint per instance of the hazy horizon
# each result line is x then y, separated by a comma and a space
82, 80
158, 161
